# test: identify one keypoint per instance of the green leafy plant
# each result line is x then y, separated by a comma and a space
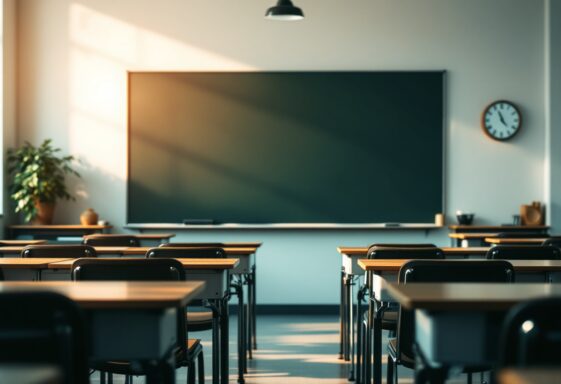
38, 175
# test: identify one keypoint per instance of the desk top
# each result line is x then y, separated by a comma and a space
236, 251
502, 241
28, 263
466, 296
393, 265
21, 242
361, 251
187, 263
235, 244
142, 236
29, 374
59, 227
530, 376
471, 236
497, 228
115, 294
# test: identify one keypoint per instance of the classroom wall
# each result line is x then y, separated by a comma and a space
8, 96
73, 56
553, 101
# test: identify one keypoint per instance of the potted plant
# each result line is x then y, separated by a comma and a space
37, 180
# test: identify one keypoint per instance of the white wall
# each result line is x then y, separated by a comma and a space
8, 95
73, 58
553, 103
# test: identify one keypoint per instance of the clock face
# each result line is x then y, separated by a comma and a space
501, 120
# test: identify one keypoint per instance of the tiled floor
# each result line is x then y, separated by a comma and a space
291, 350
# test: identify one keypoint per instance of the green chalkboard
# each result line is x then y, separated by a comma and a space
286, 147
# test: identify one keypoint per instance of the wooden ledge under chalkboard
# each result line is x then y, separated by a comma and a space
311, 226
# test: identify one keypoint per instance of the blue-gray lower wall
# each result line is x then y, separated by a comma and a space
303, 267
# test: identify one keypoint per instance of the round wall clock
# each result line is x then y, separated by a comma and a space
501, 120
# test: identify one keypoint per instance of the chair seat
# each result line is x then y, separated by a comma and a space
403, 359
199, 321
389, 321
194, 347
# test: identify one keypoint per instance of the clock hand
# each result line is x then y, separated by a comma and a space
502, 118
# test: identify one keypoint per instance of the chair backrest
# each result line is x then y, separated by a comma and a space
405, 251
554, 240
134, 270
127, 270
193, 245
111, 240
44, 328
522, 235
531, 334
524, 252
445, 271
186, 253
69, 251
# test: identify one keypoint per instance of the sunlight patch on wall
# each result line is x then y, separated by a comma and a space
102, 50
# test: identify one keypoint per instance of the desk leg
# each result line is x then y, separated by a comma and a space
359, 336
367, 351
377, 329
215, 342
253, 306
248, 316
341, 314
351, 282
224, 340
242, 342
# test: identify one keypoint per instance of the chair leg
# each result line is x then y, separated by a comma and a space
389, 371
101, 377
396, 373
109, 378
201, 368
191, 373
469, 378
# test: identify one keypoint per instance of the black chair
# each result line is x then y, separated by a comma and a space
401, 349
44, 328
200, 320
111, 241
186, 252
389, 317
63, 251
202, 317
531, 334
193, 245
144, 270
554, 240
524, 252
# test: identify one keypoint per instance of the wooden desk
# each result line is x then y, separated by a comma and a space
393, 265
350, 269
187, 263
459, 324
21, 242
111, 308
130, 251
466, 239
499, 228
515, 241
17, 268
530, 376
381, 272
29, 374
54, 231
215, 274
352, 254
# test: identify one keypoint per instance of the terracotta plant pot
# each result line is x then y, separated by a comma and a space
45, 213
89, 217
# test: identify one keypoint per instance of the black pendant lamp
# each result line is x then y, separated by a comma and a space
284, 10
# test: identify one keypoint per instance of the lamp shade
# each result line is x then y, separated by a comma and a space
284, 10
